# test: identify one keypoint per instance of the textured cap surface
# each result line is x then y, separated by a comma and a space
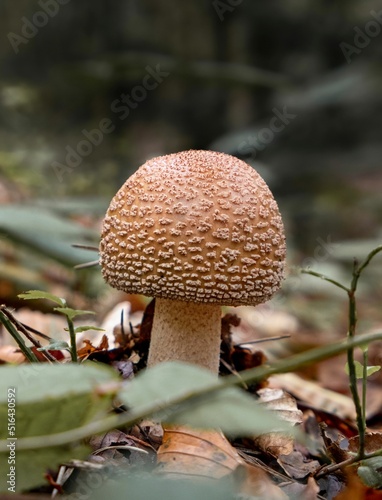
196, 226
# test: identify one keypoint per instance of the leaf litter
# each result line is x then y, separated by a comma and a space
288, 468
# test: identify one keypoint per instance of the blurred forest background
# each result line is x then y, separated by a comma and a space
91, 89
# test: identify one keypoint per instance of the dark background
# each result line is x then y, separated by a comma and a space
231, 67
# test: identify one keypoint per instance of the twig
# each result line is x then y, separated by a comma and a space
260, 341
15, 334
329, 469
20, 327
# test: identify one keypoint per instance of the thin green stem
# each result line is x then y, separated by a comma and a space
352, 324
73, 344
364, 384
325, 278
366, 262
352, 371
252, 375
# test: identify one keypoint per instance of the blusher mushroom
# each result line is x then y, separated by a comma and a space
197, 230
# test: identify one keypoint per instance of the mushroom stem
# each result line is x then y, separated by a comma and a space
185, 331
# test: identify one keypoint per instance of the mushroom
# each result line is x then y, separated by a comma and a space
197, 230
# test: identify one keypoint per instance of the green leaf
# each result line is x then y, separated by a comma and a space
72, 313
48, 399
31, 465
359, 369
370, 370
56, 345
370, 472
85, 328
170, 390
45, 232
39, 294
143, 485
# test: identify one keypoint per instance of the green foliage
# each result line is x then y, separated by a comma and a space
48, 399
146, 486
40, 294
370, 472
45, 232
56, 345
86, 328
70, 315
359, 370
164, 386
353, 368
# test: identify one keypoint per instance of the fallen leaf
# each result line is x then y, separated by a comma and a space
373, 442
296, 466
89, 348
199, 453
284, 406
315, 395
299, 491
257, 484
275, 444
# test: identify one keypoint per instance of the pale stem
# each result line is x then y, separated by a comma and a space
184, 331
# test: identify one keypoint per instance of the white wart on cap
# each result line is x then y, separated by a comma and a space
195, 226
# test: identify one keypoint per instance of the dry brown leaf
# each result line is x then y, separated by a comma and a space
89, 348
256, 483
203, 453
285, 407
149, 431
275, 444
315, 395
335, 449
373, 442
296, 466
300, 491
282, 404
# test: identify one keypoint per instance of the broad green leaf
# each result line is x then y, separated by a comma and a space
72, 313
86, 328
370, 472
143, 485
46, 232
231, 409
359, 369
49, 399
31, 465
39, 294
56, 345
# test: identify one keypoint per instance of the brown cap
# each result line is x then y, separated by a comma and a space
196, 226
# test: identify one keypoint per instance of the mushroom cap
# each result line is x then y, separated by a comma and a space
196, 226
